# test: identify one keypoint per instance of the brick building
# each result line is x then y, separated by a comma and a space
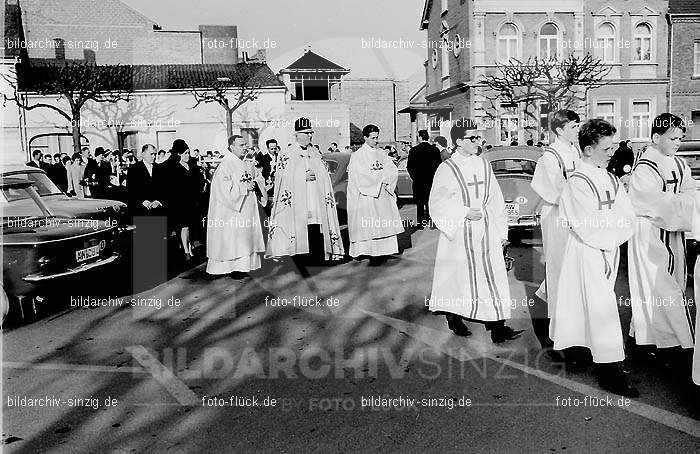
468, 37
684, 40
163, 63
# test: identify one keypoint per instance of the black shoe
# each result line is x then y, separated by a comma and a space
504, 333
238, 275
616, 382
377, 261
457, 326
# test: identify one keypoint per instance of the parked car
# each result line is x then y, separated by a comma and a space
63, 206
337, 164
690, 151
40, 248
514, 167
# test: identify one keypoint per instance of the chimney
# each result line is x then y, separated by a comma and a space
219, 44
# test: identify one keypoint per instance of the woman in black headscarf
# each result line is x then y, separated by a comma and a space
183, 184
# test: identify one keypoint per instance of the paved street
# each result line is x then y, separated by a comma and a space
201, 376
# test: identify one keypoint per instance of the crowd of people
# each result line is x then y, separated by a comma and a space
597, 197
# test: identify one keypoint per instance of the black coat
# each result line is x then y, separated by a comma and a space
423, 161
182, 188
58, 174
140, 186
264, 161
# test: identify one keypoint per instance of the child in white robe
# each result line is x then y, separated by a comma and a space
594, 206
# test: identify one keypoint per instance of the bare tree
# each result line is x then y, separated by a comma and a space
559, 83
75, 83
231, 89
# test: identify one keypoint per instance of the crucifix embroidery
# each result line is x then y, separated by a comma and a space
674, 181
568, 171
609, 202
476, 183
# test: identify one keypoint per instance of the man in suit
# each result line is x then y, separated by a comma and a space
141, 184
36, 160
423, 161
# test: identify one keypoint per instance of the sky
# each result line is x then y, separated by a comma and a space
293, 23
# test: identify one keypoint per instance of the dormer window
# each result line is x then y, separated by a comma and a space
315, 86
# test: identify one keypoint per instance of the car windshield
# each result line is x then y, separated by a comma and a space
21, 210
694, 164
42, 183
508, 166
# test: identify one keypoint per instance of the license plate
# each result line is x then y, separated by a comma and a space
513, 209
87, 253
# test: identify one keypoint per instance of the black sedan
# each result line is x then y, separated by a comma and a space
41, 249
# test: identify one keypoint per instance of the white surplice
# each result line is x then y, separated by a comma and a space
373, 215
595, 207
553, 168
234, 234
664, 196
470, 274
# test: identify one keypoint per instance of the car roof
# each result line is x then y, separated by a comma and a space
513, 152
15, 183
6, 168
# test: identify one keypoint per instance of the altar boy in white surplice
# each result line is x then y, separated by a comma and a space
558, 161
373, 215
466, 204
595, 208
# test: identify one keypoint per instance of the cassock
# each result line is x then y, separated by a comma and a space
663, 194
470, 273
373, 215
552, 170
234, 233
299, 203
596, 209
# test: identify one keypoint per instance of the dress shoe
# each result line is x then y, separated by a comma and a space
504, 333
377, 261
614, 381
458, 327
238, 275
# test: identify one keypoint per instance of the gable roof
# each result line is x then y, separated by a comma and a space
163, 77
425, 17
311, 61
81, 12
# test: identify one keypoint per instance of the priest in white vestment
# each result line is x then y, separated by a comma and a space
466, 204
664, 196
696, 352
373, 215
304, 219
234, 233
594, 206
553, 168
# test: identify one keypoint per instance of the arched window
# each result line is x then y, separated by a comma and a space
549, 41
642, 42
508, 42
605, 42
